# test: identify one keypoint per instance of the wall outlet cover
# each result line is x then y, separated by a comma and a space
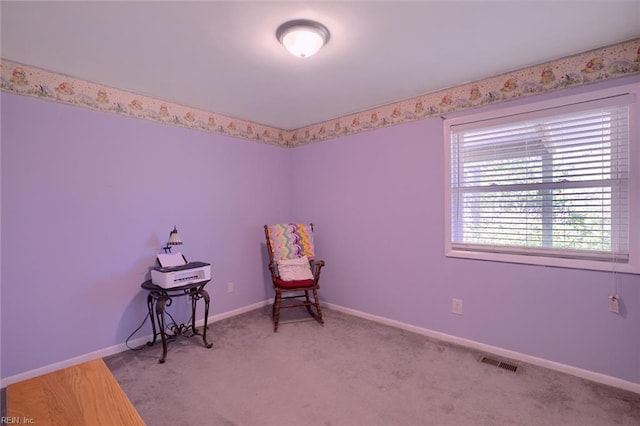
456, 306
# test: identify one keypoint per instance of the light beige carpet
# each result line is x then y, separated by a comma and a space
350, 372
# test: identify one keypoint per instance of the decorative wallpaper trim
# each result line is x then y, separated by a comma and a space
597, 65
31, 81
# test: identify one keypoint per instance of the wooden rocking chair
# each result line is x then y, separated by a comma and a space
294, 271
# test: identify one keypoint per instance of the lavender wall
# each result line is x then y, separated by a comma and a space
376, 199
87, 200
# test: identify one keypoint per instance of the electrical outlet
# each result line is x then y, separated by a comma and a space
229, 287
456, 306
614, 306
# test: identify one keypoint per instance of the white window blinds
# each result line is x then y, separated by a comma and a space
552, 182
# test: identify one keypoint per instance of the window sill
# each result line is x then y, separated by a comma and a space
628, 268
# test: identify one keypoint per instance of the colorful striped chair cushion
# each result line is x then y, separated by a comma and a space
292, 240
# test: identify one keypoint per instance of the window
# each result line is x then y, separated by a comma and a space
553, 184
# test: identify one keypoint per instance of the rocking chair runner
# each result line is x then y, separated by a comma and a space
291, 250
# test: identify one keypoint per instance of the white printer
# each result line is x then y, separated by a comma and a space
175, 271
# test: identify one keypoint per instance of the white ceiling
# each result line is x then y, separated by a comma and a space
223, 57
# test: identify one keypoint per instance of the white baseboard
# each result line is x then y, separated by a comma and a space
111, 350
229, 314
563, 368
4, 382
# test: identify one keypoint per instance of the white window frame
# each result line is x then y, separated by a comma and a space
633, 264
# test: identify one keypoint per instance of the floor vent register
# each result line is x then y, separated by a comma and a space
499, 364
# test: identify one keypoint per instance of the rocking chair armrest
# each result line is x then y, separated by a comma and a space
316, 266
317, 263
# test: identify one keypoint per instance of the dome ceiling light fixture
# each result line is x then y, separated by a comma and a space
302, 37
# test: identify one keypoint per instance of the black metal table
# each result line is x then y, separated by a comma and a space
159, 298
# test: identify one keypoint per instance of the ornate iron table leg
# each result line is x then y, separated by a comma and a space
150, 300
195, 296
160, 302
205, 296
